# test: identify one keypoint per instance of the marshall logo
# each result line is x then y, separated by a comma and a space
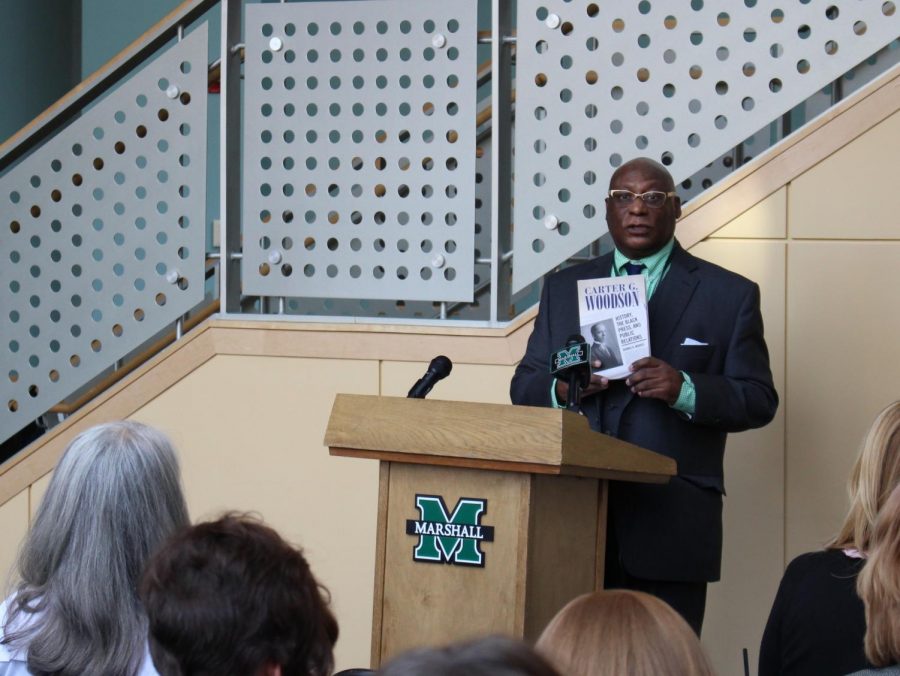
455, 538
568, 357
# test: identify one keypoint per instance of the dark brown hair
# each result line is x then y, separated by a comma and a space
491, 656
230, 596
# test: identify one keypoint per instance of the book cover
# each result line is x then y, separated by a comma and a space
612, 312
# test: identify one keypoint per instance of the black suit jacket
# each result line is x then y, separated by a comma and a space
670, 532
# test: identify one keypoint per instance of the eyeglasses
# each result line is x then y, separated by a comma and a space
652, 198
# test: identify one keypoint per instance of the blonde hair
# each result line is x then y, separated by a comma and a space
622, 632
875, 474
878, 586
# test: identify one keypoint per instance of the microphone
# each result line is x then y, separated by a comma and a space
572, 363
438, 369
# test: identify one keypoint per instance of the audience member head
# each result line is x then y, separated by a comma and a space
875, 474
231, 597
878, 585
114, 497
491, 656
622, 632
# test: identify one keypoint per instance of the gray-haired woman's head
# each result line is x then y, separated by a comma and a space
114, 497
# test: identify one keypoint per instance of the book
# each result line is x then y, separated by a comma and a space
612, 312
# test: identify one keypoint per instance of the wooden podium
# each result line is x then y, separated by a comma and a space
540, 534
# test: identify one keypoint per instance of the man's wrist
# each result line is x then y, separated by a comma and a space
556, 401
687, 397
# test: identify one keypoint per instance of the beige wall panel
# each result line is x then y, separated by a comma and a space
820, 203
752, 561
843, 337
249, 431
13, 526
466, 382
765, 220
38, 489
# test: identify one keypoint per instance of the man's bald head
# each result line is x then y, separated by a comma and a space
649, 167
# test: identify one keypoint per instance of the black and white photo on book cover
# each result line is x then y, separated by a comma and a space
612, 312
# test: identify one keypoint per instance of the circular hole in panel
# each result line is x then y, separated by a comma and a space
831, 47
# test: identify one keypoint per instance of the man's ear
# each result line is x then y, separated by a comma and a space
677, 202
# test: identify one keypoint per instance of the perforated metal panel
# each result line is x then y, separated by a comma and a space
402, 309
599, 83
359, 149
103, 233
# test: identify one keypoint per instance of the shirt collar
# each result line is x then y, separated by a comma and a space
653, 263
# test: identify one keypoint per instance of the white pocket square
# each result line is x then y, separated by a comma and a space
692, 341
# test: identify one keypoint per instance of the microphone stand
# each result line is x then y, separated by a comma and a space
574, 396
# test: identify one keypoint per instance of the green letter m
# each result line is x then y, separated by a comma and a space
451, 547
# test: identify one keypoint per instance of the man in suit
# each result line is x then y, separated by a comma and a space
708, 375
600, 351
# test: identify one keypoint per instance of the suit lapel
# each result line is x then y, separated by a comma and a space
671, 299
